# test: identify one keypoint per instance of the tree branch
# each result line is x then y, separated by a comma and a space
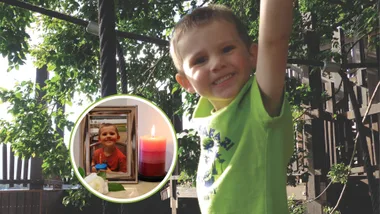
340, 198
313, 199
153, 68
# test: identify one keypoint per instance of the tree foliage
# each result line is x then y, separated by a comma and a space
13, 38
32, 132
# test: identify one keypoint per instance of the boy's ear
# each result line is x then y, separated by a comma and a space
253, 50
184, 82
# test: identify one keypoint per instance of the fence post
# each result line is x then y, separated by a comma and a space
36, 179
314, 127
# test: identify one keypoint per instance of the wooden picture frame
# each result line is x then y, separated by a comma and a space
125, 119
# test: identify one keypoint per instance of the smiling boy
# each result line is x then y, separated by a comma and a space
245, 122
109, 153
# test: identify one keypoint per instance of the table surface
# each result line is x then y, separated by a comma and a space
134, 190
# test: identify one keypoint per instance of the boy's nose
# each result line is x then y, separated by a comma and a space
217, 63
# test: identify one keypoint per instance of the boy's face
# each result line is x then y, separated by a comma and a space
216, 62
108, 136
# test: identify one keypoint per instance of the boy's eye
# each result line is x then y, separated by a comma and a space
199, 60
228, 49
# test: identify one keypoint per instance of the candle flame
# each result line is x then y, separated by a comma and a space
153, 131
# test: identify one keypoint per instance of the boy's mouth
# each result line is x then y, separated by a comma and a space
223, 78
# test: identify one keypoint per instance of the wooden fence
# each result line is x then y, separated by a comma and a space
327, 136
20, 202
26, 173
15, 170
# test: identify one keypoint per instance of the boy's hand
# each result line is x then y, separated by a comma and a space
274, 32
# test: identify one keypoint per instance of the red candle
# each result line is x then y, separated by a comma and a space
152, 155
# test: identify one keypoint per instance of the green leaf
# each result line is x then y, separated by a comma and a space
18, 95
180, 150
102, 174
55, 79
114, 187
175, 88
81, 171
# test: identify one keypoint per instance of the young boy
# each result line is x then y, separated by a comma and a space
245, 122
109, 153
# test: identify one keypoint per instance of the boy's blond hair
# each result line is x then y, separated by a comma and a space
107, 125
200, 17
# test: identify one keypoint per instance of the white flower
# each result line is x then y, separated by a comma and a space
97, 183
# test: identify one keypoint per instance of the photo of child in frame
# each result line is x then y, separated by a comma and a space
109, 157
113, 126
109, 143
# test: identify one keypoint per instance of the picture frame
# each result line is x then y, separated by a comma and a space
125, 119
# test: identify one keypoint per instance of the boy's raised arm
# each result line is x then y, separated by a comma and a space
274, 31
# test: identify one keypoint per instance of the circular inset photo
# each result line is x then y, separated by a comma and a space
123, 148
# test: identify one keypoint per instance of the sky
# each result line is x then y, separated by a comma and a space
24, 73
9, 79
27, 72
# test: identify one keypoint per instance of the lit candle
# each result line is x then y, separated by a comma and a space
152, 155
